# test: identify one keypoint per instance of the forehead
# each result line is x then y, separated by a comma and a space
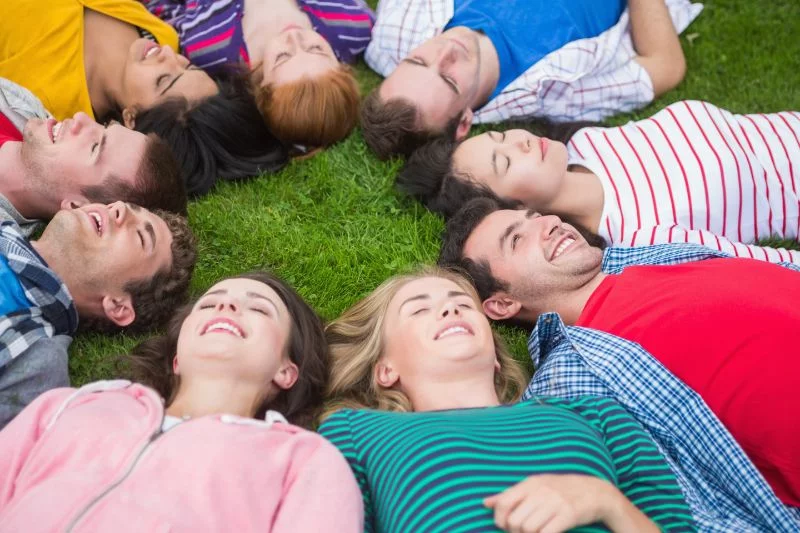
194, 85
435, 105
123, 152
484, 241
474, 155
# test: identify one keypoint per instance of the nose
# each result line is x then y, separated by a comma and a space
550, 226
227, 302
448, 53
448, 308
80, 120
521, 140
293, 38
118, 212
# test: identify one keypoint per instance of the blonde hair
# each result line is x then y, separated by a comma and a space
315, 112
356, 344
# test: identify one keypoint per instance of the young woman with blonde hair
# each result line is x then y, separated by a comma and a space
422, 405
297, 50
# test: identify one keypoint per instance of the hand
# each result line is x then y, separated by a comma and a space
552, 503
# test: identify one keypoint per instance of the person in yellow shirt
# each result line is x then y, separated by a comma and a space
107, 58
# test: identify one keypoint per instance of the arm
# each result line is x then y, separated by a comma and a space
656, 43
323, 496
678, 234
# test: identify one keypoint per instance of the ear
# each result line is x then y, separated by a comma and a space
129, 117
385, 374
74, 201
119, 309
175, 369
497, 367
286, 376
501, 307
464, 124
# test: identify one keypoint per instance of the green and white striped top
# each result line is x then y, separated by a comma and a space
430, 471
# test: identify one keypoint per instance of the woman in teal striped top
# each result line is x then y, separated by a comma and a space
421, 406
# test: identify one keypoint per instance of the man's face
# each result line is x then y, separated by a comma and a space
539, 257
441, 77
62, 158
108, 246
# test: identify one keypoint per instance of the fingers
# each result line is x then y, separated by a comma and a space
504, 503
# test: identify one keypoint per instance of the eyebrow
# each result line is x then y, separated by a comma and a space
149, 228
509, 230
421, 63
450, 294
249, 294
102, 144
169, 86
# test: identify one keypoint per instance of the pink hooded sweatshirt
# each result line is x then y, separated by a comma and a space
96, 459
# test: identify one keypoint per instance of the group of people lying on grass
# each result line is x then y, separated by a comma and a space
662, 391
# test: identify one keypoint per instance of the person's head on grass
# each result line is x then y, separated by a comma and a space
249, 344
523, 264
419, 342
125, 267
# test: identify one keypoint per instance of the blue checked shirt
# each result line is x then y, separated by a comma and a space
724, 489
52, 311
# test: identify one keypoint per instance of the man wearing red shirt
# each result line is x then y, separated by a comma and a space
724, 326
46, 165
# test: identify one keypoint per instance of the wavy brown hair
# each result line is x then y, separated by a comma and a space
356, 343
150, 362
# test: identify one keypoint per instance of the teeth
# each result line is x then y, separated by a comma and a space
98, 220
563, 246
225, 327
152, 51
452, 331
56, 129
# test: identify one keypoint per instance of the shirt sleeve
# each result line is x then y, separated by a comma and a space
679, 234
322, 497
337, 429
588, 79
642, 473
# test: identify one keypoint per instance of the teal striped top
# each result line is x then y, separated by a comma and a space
430, 471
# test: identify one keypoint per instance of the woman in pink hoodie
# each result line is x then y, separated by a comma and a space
202, 450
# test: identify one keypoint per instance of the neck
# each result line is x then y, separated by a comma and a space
106, 43
15, 186
263, 20
87, 300
581, 199
456, 393
204, 396
490, 71
569, 306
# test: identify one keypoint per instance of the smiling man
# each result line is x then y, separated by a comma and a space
454, 62
116, 266
714, 342
46, 165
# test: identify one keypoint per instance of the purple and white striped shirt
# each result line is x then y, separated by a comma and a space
211, 35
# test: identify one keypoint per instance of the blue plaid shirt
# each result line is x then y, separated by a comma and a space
724, 489
51, 312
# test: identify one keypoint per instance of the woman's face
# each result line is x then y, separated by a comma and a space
155, 73
296, 53
514, 164
238, 329
433, 331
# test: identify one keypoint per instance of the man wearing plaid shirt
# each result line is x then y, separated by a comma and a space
701, 356
450, 63
117, 266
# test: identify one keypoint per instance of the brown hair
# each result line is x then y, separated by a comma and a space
356, 342
158, 183
150, 362
393, 127
155, 299
315, 112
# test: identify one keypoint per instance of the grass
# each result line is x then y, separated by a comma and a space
334, 227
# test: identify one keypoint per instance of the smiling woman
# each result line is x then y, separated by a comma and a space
420, 400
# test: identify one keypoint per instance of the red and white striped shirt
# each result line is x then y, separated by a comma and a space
696, 173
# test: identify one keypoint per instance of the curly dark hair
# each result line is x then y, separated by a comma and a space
150, 362
392, 127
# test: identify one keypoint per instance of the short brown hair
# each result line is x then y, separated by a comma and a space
315, 112
393, 127
158, 184
155, 299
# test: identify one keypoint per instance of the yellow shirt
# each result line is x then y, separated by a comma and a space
41, 47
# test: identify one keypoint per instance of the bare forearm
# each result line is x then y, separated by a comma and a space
656, 43
622, 516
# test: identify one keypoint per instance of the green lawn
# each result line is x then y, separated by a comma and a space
334, 227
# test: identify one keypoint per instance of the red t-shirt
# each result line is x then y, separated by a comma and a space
729, 329
8, 132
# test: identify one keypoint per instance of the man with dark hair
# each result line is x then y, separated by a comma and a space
116, 266
450, 63
675, 332
46, 165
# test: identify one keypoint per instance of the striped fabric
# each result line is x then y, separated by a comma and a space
588, 79
211, 30
429, 472
696, 173
723, 488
